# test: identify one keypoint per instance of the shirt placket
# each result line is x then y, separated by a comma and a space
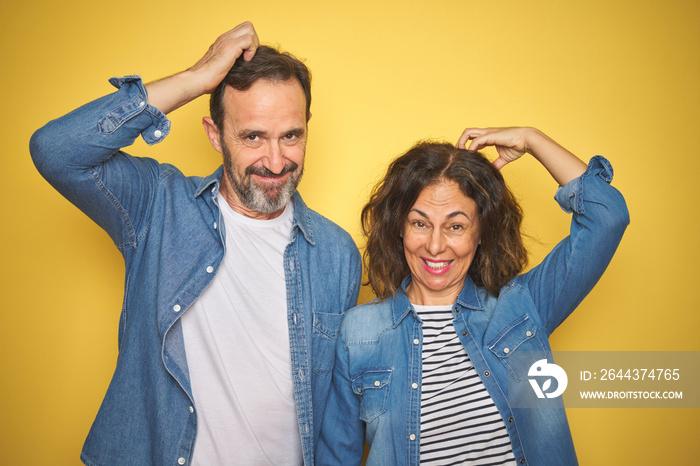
414, 396
301, 375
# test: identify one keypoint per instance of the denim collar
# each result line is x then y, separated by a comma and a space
302, 214
213, 179
401, 306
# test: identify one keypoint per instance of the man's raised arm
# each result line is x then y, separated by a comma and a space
80, 153
172, 92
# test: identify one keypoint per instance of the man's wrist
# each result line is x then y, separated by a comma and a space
170, 93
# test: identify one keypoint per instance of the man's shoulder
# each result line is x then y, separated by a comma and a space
323, 230
172, 175
323, 224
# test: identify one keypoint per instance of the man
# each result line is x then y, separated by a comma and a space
234, 288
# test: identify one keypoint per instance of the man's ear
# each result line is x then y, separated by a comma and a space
212, 133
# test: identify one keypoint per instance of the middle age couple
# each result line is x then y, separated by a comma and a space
422, 374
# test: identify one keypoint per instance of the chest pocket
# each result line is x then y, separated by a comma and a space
373, 388
325, 333
518, 346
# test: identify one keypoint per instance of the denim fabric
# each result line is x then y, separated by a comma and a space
378, 353
170, 231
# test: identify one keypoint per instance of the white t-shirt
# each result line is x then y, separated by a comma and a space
237, 342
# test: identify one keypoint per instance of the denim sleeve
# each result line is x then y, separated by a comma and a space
356, 274
571, 270
80, 155
342, 436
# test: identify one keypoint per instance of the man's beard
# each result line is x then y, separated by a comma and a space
256, 197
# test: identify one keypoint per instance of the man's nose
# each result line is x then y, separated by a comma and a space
274, 159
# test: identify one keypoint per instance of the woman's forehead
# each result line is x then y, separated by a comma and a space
443, 199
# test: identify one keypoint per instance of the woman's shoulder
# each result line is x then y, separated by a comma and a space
367, 321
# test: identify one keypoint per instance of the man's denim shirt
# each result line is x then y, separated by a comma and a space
378, 353
171, 234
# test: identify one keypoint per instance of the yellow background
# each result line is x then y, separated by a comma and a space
618, 78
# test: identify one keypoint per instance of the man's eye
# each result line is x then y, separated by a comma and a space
290, 136
252, 137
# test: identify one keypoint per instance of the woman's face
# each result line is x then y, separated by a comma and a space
440, 238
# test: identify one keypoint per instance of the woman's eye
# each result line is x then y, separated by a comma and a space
455, 229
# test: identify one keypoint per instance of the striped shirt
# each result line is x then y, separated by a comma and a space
459, 421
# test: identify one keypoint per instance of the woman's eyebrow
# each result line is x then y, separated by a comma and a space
452, 215
459, 212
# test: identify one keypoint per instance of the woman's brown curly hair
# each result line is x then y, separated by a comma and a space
501, 255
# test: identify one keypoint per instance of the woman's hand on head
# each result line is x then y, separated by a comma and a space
510, 143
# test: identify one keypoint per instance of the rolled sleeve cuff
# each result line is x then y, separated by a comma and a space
571, 196
135, 110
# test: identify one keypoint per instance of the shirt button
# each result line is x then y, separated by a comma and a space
510, 419
416, 341
522, 460
215, 225
487, 373
377, 383
191, 409
359, 389
528, 333
210, 269
157, 133
142, 103
176, 308
506, 350
414, 385
465, 333
181, 461
412, 436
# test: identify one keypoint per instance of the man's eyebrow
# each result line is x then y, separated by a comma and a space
251, 132
296, 132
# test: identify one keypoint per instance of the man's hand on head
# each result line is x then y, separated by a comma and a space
175, 91
212, 68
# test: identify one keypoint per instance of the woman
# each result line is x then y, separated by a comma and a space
433, 371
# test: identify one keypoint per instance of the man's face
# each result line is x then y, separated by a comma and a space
263, 146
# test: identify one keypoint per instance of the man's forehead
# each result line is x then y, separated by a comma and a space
263, 88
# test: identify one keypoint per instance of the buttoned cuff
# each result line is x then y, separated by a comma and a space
571, 196
135, 110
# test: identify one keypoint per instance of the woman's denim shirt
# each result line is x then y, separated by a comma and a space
169, 229
378, 353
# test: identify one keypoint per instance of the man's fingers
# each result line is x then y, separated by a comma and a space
251, 48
